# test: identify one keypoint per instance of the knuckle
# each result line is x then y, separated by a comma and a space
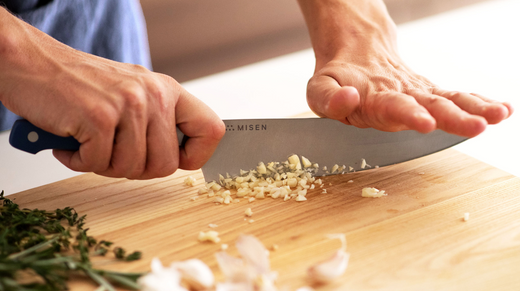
134, 98
453, 94
104, 120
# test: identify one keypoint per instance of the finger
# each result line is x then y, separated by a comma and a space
492, 111
508, 105
130, 149
203, 127
162, 149
397, 111
95, 151
328, 99
450, 117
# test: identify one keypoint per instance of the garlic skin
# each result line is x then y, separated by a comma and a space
195, 274
334, 267
161, 278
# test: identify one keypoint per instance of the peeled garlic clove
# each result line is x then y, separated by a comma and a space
195, 274
330, 269
161, 278
233, 269
254, 253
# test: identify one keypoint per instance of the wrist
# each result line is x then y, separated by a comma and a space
348, 28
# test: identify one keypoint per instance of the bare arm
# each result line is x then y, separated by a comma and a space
124, 115
361, 80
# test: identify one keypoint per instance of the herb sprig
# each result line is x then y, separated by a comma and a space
40, 250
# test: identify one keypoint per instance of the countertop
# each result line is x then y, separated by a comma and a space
471, 49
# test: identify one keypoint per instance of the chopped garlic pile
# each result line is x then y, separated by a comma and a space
373, 193
290, 179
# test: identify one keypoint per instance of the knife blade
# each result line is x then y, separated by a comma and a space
247, 142
323, 141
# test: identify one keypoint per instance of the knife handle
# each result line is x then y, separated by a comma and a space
27, 137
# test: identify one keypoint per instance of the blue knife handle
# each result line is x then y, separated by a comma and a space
29, 138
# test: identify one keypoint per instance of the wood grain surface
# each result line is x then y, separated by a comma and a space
412, 239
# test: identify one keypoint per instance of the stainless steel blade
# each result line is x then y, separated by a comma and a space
323, 141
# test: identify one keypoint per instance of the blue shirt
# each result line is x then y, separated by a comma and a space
113, 29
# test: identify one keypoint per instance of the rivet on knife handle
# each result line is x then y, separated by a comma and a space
27, 137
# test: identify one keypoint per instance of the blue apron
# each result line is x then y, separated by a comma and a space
113, 29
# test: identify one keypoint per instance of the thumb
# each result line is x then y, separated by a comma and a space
328, 99
203, 127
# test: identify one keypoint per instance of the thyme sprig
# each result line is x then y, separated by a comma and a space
40, 250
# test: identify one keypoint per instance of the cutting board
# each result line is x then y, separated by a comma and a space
412, 239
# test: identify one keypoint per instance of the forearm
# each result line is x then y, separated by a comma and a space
21, 56
339, 27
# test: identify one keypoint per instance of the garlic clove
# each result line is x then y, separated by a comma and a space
330, 269
233, 269
161, 278
195, 274
254, 253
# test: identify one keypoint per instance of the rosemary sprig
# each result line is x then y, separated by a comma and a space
50, 246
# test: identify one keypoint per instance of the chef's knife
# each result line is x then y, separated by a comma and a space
250, 141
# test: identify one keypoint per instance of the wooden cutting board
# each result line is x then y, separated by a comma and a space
412, 239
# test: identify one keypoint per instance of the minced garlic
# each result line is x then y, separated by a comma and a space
189, 181
373, 193
248, 212
211, 236
306, 163
300, 198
